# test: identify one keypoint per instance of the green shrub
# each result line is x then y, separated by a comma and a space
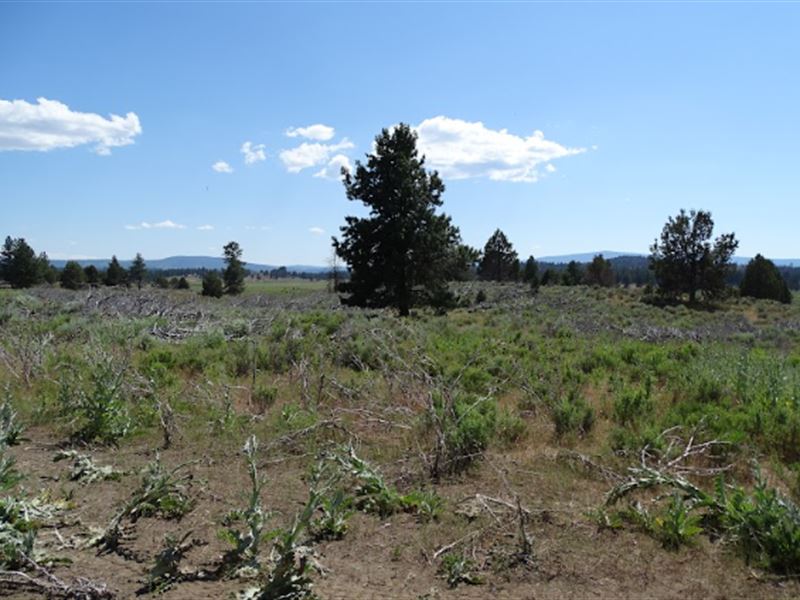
633, 405
464, 424
573, 414
99, 413
264, 396
456, 569
676, 527
509, 427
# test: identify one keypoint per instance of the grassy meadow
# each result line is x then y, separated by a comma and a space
571, 443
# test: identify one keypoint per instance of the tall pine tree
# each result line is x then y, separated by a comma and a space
402, 253
499, 261
233, 275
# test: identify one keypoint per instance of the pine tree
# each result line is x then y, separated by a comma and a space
499, 261
92, 275
73, 276
20, 266
573, 275
685, 262
530, 274
115, 274
599, 272
234, 272
137, 271
212, 285
401, 254
762, 279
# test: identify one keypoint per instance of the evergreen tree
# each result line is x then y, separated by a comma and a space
20, 266
762, 279
400, 255
73, 277
463, 263
92, 275
685, 262
137, 271
499, 261
212, 285
234, 272
48, 272
530, 273
573, 275
550, 277
183, 284
115, 274
599, 272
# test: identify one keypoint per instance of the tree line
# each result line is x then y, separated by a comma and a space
404, 253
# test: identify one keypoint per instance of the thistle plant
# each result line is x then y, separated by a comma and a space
246, 540
84, 469
162, 492
166, 570
10, 428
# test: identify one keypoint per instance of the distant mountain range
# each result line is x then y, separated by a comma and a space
191, 262
216, 262
586, 257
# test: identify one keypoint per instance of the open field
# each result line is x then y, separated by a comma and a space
493, 437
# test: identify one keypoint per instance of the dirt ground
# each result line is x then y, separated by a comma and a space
393, 557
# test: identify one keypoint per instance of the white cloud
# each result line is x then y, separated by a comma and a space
318, 132
253, 153
222, 167
462, 149
311, 155
549, 168
333, 170
205, 228
50, 124
317, 230
160, 225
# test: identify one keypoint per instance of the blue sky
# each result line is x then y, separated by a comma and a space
643, 109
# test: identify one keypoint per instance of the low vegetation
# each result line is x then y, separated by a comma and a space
219, 448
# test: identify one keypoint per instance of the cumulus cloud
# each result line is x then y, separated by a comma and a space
318, 132
333, 170
160, 225
311, 155
253, 153
50, 124
317, 230
205, 228
463, 149
222, 167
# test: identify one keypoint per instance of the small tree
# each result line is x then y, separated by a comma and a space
115, 273
92, 275
599, 272
137, 271
463, 263
550, 277
399, 255
19, 264
47, 271
573, 275
73, 277
685, 262
499, 261
234, 271
183, 284
762, 279
212, 285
